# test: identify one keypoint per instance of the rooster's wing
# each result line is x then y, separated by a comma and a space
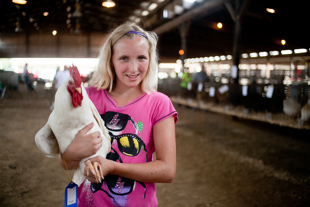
46, 141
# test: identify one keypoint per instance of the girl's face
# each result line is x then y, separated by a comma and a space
130, 60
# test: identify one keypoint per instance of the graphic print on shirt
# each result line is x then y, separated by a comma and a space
124, 145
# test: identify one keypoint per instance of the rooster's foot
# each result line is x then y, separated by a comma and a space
95, 169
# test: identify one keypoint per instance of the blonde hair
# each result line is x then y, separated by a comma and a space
104, 76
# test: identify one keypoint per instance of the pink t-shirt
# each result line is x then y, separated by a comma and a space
131, 129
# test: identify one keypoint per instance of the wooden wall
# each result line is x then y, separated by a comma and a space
49, 46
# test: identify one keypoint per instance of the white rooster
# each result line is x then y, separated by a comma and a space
73, 110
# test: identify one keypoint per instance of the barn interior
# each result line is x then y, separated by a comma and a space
241, 41
243, 130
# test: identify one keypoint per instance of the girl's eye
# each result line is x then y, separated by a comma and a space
142, 57
124, 58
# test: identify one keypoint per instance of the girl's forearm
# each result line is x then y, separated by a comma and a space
154, 172
67, 162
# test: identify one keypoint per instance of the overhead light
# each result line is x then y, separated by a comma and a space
286, 52
132, 18
168, 14
108, 4
187, 4
178, 9
145, 4
19, 1
152, 6
145, 13
274, 53
165, 13
263, 54
301, 50
253, 55
54, 32
270, 10
283, 42
137, 12
244, 55
219, 25
45, 14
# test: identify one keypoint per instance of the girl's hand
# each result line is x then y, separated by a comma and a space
83, 145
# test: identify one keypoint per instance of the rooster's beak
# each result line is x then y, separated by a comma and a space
79, 89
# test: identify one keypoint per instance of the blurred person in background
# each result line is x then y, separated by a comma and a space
186, 78
199, 81
28, 78
60, 77
201, 77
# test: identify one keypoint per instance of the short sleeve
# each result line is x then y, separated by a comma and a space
163, 108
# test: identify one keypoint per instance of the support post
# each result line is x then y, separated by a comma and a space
236, 14
236, 49
184, 27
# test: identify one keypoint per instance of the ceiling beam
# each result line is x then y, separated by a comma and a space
206, 8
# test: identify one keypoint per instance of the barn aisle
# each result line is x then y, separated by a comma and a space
237, 163
220, 161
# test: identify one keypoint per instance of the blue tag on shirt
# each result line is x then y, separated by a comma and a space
71, 193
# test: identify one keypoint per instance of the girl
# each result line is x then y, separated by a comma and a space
140, 121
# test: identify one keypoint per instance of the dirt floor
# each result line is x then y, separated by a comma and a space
220, 161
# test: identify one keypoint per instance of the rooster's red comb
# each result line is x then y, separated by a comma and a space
75, 74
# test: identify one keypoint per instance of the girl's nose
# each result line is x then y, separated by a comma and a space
133, 65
